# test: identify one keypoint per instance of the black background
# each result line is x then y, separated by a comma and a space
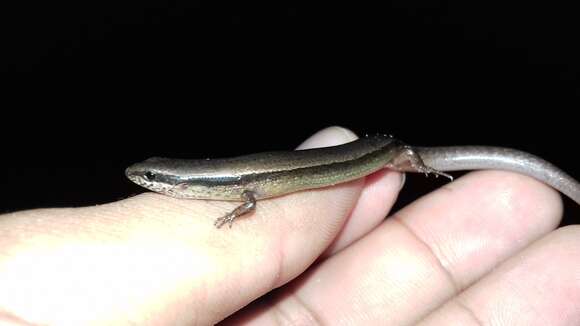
104, 84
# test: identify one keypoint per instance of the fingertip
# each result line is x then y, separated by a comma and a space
330, 136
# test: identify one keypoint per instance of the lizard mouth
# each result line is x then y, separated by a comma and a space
134, 176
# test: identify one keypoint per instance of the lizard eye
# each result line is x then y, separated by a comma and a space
149, 176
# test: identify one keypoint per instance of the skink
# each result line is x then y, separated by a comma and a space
256, 176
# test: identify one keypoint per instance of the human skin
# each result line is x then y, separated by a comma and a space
482, 250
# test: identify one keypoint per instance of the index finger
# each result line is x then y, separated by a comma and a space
153, 259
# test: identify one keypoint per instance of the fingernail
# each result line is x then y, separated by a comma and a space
403, 179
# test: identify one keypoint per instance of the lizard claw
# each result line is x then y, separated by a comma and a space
228, 218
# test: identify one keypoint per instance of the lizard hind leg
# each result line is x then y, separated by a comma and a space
407, 160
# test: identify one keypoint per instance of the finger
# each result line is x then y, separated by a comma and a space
423, 256
326, 137
378, 195
376, 200
152, 259
540, 286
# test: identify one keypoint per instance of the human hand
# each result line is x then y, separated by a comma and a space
481, 250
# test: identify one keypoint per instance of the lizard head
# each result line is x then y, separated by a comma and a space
154, 174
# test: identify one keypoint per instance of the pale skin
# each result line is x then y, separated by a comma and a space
482, 250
